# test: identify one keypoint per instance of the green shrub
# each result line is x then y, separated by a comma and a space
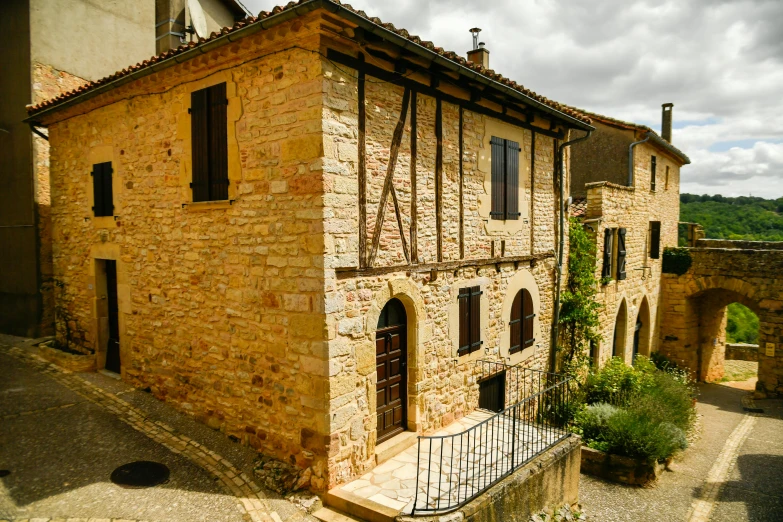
639, 411
676, 261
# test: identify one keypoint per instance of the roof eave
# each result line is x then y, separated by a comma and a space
669, 147
450, 64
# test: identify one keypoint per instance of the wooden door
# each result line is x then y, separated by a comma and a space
492, 393
113, 346
391, 364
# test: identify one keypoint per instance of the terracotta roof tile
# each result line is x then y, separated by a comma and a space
578, 207
489, 73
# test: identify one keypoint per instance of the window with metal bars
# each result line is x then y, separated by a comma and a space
505, 179
522, 317
469, 320
209, 143
103, 199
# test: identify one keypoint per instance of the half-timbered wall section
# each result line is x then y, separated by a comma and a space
426, 174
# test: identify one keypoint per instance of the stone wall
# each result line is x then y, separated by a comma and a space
633, 208
48, 82
221, 304
693, 319
742, 352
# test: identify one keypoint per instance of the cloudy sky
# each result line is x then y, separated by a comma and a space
719, 61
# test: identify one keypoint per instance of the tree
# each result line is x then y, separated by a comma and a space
579, 312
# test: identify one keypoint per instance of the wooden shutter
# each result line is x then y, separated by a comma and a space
475, 318
498, 178
199, 138
464, 321
469, 320
655, 239
516, 324
218, 143
621, 254
528, 316
512, 179
653, 167
607, 269
103, 200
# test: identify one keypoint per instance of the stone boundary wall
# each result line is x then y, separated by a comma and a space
735, 244
547, 482
617, 468
742, 352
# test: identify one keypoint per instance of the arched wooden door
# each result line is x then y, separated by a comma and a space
391, 357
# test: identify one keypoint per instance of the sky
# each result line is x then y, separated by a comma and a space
719, 61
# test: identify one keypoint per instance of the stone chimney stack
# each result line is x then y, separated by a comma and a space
479, 54
666, 122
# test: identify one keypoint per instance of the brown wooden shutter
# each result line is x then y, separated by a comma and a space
621, 254
512, 179
498, 178
199, 137
103, 200
529, 316
655, 239
516, 324
218, 143
607, 269
653, 167
475, 318
464, 321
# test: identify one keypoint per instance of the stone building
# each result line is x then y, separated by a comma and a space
51, 47
626, 190
308, 230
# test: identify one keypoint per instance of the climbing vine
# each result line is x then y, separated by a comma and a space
579, 312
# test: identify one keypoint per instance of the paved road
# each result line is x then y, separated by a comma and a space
62, 435
753, 490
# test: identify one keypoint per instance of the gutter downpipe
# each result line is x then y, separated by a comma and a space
561, 248
630, 159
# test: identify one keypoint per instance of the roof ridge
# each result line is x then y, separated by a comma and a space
450, 55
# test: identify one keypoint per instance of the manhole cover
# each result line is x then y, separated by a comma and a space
4, 473
141, 474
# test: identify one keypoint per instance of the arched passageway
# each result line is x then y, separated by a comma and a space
641, 336
620, 331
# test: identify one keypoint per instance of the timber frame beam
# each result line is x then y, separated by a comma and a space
350, 272
398, 79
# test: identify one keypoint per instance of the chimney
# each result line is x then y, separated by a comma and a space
666, 123
479, 54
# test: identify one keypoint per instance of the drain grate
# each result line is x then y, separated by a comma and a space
4, 473
140, 474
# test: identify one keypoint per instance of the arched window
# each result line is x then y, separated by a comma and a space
522, 316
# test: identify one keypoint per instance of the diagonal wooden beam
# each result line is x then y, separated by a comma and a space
399, 225
387, 184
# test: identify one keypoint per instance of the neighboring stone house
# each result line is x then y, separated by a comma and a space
626, 190
51, 47
308, 230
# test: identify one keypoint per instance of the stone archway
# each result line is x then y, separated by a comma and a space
620, 335
642, 329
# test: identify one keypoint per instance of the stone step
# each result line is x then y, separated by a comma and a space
361, 508
394, 446
326, 514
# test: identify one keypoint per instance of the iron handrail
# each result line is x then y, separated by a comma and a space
500, 445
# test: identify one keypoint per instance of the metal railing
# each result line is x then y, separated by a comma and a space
454, 469
520, 382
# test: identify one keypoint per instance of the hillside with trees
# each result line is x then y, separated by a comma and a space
744, 217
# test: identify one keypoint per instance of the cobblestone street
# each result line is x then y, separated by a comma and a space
64, 433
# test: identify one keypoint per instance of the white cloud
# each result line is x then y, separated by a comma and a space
719, 61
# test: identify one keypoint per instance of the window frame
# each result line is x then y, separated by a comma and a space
653, 172
522, 322
102, 189
505, 179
